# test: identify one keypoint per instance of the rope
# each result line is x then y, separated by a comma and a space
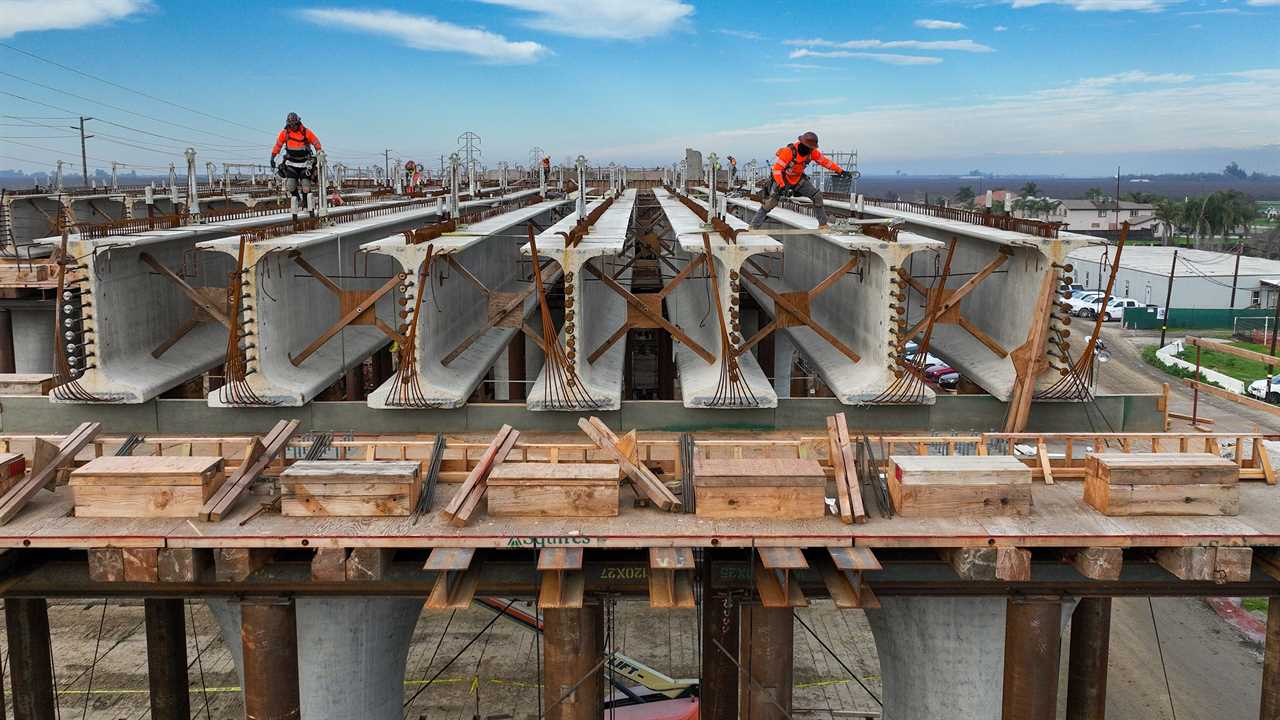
470, 642
837, 659
94, 664
1160, 649
195, 636
439, 642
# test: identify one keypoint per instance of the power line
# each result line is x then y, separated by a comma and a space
129, 89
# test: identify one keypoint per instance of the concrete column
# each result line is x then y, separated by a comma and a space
1032, 655
269, 640
30, 664
1087, 676
718, 690
573, 672
167, 659
502, 376
784, 357
516, 367
1271, 664
353, 653
766, 638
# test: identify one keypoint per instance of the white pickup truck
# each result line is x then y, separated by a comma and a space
1264, 390
1115, 308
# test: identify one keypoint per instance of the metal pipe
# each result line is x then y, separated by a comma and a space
167, 659
193, 190
269, 636
453, 186
582, 186
1032, 650
30, 661
1087, 673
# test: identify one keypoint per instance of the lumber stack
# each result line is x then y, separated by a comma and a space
350, 488
1162, 484
956, 486
553, 490
13, 466
848, 491
142, 487
778, 488
465, 501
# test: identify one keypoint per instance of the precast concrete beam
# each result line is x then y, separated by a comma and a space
943, 658
695, 309
295, 288
597, 311
858, 309
984, 345
462, 328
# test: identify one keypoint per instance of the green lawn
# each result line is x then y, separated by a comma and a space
1149, 355
1236, 367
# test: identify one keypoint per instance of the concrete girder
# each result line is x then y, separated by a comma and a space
704, 384
286, 309
980, 337
871, 329
597, 309
453, 316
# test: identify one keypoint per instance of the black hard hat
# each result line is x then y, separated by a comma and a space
293, 119
810, 138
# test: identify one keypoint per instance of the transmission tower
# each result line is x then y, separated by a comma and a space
469, 147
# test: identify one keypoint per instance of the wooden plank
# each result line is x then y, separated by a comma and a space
467, 497
758, 472
1233, 564
573, 500
780, 503
1229, 349
1264, 458
556, 473
1233, 397
20, 494
1161, 500
1163, 469
106, 564
254, 463
842, 474
643, 478
141, 565
362, 506
1188, 563
989, 563
329, 565
183, 565
92, 501
130, 470
369, 563
237, 564
1098, 563
1046, 470
846, 452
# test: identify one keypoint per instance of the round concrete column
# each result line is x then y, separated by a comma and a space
943, 658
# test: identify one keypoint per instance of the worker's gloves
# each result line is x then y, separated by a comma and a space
273, 162
844, 174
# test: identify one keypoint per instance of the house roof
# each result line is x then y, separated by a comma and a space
1076, 204
1157, 260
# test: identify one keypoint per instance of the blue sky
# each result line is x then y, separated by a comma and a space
1035, 86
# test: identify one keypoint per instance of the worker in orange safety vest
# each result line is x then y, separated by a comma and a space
299, 158
789, 179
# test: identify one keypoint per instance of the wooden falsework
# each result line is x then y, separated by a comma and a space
465, 501
1029, 359
12, 502
1229, 349
1000, 563
762, 487
1162, 484
1098, 563
350, 488
848, 490
553, 490
1233, 397
263, 454
1215, 564
146, 486
644, 479
950, 486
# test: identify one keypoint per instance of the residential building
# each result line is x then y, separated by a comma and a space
1201, 279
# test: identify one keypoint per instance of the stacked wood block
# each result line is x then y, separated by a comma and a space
955, 486
778, 488
12, 468
1162, 484
553, 490
150, 486
350, 488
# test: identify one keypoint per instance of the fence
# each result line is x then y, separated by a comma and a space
1148, 318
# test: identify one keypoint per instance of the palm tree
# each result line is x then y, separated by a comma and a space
964, 195
1170, 215
1030, 189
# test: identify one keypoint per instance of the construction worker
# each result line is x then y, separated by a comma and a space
733, 171
299, 158
789, 178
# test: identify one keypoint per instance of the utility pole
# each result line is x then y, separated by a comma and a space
386, 160
1235, 274
84, 158
1275, 319
1168, 297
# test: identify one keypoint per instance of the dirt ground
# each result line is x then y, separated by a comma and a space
1213, 672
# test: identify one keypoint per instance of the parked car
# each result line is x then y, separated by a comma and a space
949, 381
1264, 390
1073, 289
930, 360
937, 371
1079, 303
1115, 308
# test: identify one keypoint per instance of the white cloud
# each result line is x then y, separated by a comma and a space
1212, 111
810, 102
605, 19
741, 34
1137, 77
427, 33
1263, 3
939, 24
804, 66
1101, 5
956, 45
1267, 74
999, 28
34, 15
887, 58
